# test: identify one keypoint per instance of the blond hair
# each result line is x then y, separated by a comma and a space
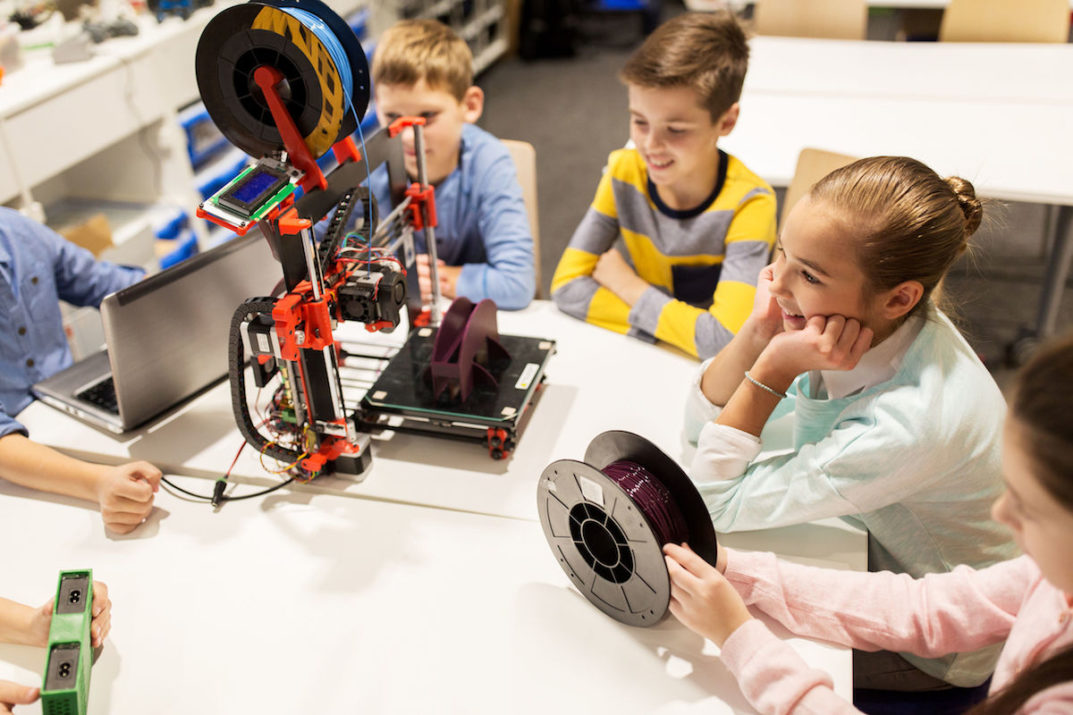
910, 223
706, 52
415, 50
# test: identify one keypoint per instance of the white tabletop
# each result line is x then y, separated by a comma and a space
304, 602
995, 114
598, 380
1010, 151
1024, 73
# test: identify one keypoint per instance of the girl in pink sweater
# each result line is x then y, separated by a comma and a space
1028, 602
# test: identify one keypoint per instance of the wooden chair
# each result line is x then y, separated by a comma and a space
832, 19
524, 156
1005, 21
812, 165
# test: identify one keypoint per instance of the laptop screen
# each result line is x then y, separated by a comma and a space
168, 334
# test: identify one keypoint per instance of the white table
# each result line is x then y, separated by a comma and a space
967, 71
1002, 130
597, 381
1015, 152
305, 602
310, 599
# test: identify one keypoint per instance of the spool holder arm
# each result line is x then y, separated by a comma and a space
268, 79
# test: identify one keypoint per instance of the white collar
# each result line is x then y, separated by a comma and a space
877, 365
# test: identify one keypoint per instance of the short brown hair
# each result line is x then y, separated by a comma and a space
415, 50
912, 223
706, 52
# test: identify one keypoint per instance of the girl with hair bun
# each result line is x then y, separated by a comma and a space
848, 393
1026, 602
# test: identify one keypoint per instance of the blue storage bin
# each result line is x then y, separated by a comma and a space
185, 247
620, 5
170, 226
203, 139
215, 176
359, 23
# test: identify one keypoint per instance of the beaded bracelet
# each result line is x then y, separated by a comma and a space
765, 388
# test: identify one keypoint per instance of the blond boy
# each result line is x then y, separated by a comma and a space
485, 249
696, 224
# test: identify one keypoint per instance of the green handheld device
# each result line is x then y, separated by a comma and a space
70, 651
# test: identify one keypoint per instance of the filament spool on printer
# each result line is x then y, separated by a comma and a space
314, 50
606, 542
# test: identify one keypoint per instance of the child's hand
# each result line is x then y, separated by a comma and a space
766, 317
41, 620
614, 273
448, 277
102, 614
701, 598
125, 494
831, 342
12, 694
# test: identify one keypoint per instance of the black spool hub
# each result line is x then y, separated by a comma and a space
601, 542
604, 541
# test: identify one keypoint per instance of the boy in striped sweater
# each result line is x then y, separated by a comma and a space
696, 224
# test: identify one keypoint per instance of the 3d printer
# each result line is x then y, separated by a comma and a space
287, 81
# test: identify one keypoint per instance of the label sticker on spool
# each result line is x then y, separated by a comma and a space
591, 490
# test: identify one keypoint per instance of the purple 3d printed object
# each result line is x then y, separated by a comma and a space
465, 346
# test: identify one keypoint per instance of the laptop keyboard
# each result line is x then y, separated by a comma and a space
101, 394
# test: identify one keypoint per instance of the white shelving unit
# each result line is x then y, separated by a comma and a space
481, 23
103, 136
104, 129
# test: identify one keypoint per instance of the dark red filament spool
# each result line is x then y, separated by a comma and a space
652, 499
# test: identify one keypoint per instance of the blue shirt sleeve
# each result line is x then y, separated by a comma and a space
37, 268
482, 223
508, 276
80, 279
8, 425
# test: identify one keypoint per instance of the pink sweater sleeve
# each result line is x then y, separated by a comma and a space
962, 610
774, 678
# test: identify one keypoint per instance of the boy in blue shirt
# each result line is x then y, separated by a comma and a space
485, 250
37, 269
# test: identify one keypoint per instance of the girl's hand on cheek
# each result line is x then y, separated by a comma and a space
825, 343
766, 317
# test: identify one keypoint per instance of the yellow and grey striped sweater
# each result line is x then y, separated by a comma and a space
702, 264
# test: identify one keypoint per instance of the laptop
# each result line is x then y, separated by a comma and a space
166, 337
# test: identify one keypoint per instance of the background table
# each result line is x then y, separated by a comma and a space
1015, 72
995, 114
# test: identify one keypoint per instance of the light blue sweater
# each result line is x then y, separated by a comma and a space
914, 460
482, 223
